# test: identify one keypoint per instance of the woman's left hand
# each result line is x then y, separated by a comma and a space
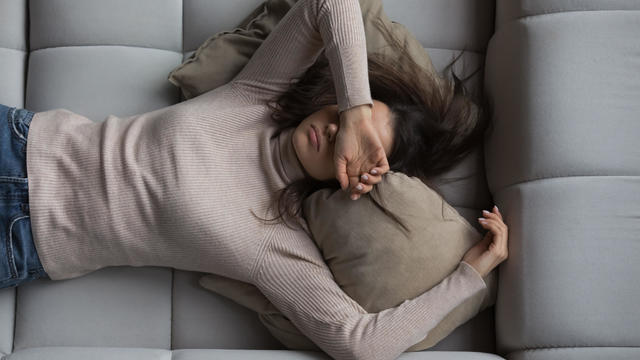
358, 151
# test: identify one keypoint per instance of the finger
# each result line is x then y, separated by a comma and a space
497, 211
341, 173
497, 229
353, 182
364, 188
490, 215
370, 179
382, 167
379, 171
375, 175
489, 224
493, 215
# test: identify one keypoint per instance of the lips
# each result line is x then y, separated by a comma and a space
315, 137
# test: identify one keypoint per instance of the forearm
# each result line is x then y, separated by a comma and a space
301, 286
294, 45
342, 30
387, 334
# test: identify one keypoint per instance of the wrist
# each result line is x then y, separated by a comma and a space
353, 111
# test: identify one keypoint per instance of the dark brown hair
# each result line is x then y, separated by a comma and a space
436, 123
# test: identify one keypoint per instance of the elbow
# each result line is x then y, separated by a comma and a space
370, 355
358, 353
366, 344
364, 352
357, 339
351, 350
348, 347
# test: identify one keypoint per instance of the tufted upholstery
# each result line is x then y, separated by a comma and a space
561, 164
564, 161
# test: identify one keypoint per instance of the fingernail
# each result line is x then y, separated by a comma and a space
485, 212
496, 207
374, 171
359, 187
365, 177
353, 197
482, 219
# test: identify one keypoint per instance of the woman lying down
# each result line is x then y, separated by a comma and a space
190, 186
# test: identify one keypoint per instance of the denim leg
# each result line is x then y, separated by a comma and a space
19, 261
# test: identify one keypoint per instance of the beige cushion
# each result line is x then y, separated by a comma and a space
222, 56
374, 260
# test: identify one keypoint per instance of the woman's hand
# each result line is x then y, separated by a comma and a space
492, 250
359, 152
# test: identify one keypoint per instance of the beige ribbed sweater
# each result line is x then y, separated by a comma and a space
174, 187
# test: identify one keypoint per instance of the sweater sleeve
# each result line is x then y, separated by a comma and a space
294, 277
308, 28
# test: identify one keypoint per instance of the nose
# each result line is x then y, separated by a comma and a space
331, 131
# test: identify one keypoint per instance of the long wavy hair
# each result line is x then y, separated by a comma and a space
436, 123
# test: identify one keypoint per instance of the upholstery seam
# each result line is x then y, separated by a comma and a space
568, 176
14, 49
566, 11
28, 52
551, 347
98, 45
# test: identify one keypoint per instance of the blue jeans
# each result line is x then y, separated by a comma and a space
19, 261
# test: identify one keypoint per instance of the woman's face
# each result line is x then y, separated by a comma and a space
326, 123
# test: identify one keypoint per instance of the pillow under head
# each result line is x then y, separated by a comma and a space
378, 262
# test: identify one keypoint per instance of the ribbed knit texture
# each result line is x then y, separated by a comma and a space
175, 187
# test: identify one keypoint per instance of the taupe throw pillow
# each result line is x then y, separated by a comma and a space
374, 260
221, 57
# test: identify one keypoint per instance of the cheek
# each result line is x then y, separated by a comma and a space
329, 167
307, 157
298, 146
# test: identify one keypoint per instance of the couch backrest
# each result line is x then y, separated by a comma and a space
564, 80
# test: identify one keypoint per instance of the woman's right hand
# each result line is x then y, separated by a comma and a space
358, 151
492, 249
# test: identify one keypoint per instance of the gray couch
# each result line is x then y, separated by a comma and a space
562, 163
